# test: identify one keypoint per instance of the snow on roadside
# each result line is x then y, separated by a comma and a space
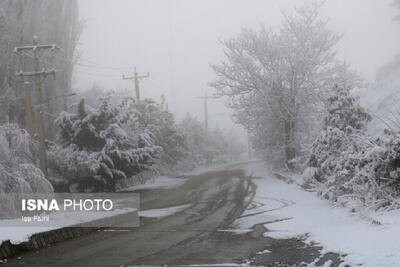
161, 213
304, 214
159, 182
220, 265
203, 169
164, 182
218, 167
263, 252
19, 234
236, 231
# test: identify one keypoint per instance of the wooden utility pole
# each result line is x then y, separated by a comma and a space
34, 52
28, 108
248, 145
205, 98
136, 79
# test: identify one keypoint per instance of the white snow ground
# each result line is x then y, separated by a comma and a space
19, 234
294, 212
161, 213
158, 182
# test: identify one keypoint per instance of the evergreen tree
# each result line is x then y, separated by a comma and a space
339, 152
154, 125
206, 147
17, 173
344, 112
95, 150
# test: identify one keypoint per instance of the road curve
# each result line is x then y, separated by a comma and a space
216, 199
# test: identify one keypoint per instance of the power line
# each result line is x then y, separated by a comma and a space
97, 74
83, 62
86, 63
99, 65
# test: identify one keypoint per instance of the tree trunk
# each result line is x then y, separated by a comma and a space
290, 151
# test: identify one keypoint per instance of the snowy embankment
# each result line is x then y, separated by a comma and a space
158, 182
19, 234
290, 211
161, 213
165, 182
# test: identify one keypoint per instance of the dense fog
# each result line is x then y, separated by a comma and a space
252, 133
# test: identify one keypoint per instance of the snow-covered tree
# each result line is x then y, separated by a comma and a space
147, 121
342, 151
342, 127
344, 111
276, 80
95, 150
397, 4
206, 147
53, 22
157, 126
17, 173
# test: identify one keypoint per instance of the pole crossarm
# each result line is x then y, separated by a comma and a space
143, 76
43, 72
36, 48
127, 77
136, 79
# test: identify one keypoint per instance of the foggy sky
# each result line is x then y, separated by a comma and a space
176, 40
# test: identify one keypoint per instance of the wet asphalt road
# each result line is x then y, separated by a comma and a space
188, 237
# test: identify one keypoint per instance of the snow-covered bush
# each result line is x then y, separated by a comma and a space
385, 164
17, 174
337, 152
349, 167
341, 130
95, 150
206, 147
152, 123
148, 122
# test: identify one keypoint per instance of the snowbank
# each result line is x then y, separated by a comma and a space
19, 234
293, 212
159, 182
161, 213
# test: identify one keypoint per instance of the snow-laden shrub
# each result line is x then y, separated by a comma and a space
34, 177
17, 174
349, 167
207, 147
385, 163
340, 152
152, 124
95, 151
14, 145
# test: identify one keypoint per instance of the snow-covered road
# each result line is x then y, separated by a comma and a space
223, 217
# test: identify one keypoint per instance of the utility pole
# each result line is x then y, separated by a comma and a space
28, 108
37, 75
248, 145
136, 79
205, 98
